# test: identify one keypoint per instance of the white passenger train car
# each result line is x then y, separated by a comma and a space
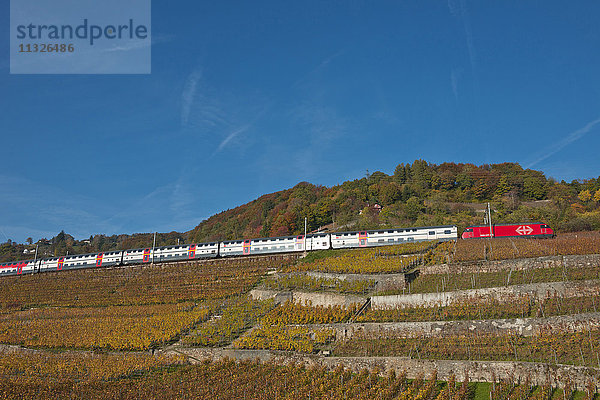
185, 252
283, 244
109, 258
203, 250
137, 256
17, 267
230, 248
246, 247
105, 259
318, 241
392, 236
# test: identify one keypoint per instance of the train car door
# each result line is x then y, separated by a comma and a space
99, 258
192, 251
300, 242
247, 246
19, 268
146, 255
362, 239
59, 265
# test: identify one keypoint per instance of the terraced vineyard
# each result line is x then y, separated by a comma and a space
178, 310
475, 280
510, 248
119, 309
385, 259
552, 347
109, 328
487, 307
159, 284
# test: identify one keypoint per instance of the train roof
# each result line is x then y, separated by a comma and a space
279, 237
3, 264
394, 229
171, 245
514, 223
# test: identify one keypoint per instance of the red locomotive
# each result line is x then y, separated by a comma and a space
524, 229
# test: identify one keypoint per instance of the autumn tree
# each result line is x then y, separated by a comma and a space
534, 187
585, 196
503, 186
414, 207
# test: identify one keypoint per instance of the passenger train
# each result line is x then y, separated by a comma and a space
231, 248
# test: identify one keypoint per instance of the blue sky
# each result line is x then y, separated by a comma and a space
246, 98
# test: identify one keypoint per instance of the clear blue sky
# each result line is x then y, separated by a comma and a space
246, 98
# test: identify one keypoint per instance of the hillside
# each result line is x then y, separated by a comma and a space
417, 194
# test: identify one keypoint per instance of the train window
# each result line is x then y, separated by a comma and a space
447, 232
391, 240
432, 232
410, 239
381, 240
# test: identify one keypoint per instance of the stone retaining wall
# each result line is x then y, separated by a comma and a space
514, 264
504, 293
521, 326
382, 281
478, 371
315, 298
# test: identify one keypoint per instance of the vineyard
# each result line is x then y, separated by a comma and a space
110, 328
97, 321
509, 248
298, 314
305, 282
87, 378
281, 328
237, 316
386, 259
486, 307
287, 338
459, 281
157, 284
49, 376
552, 347
26, 368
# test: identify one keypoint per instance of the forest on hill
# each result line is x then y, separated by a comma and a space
417, 194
